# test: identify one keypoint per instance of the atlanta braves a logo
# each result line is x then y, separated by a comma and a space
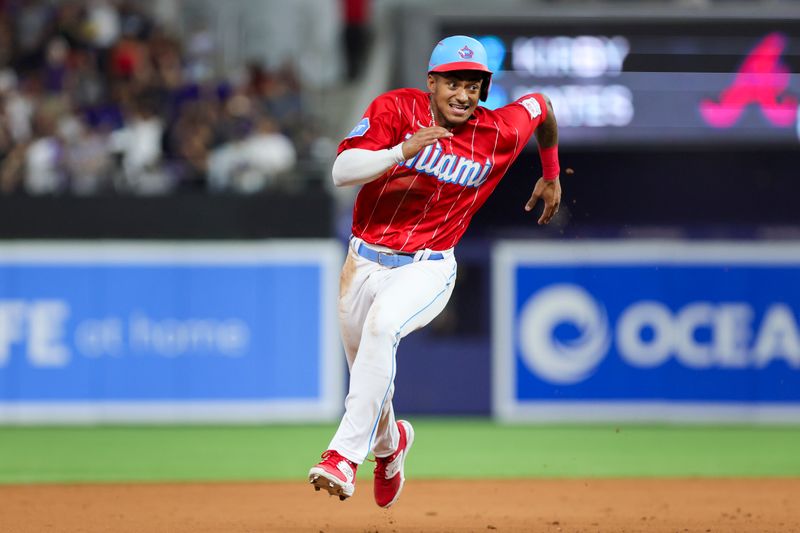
762, 80
449, 168
466, 52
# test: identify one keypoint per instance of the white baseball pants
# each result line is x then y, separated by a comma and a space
378, 306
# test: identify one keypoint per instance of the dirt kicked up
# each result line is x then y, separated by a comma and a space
589, 505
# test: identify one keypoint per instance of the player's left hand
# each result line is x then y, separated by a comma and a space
550, 192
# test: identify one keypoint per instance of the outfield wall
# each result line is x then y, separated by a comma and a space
582, 331
169, 332
646, 331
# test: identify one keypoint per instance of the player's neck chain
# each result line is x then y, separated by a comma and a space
433, 115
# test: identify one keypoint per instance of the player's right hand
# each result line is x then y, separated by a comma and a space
422, 138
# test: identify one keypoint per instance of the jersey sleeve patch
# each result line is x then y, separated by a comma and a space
360, 129
532, 105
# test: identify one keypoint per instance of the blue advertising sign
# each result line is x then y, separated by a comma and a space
647, 330
181, 332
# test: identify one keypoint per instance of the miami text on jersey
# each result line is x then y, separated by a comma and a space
449, 168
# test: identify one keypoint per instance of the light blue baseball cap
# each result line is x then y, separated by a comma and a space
459, 52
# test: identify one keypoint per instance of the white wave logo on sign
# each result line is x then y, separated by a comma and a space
648, 333
563, 362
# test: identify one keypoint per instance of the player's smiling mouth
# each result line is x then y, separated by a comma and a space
459, 109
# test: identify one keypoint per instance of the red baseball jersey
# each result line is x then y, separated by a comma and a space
429, 200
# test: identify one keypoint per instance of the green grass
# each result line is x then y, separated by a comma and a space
445, 448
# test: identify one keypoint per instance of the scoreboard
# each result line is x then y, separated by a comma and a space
632, 78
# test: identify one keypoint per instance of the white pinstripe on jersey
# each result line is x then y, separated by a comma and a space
472, 156
395, 169
472, 149
397, 209
475, 196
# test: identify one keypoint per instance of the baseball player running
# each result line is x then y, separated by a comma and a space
426, 161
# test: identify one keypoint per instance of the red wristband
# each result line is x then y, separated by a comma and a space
550, 166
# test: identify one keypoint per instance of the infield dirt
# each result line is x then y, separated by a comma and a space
589, 505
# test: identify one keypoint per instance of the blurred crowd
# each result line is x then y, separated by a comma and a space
96, 97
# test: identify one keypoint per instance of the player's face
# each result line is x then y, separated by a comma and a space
454, 96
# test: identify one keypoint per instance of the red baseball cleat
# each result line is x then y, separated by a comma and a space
334, 474
389, 478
